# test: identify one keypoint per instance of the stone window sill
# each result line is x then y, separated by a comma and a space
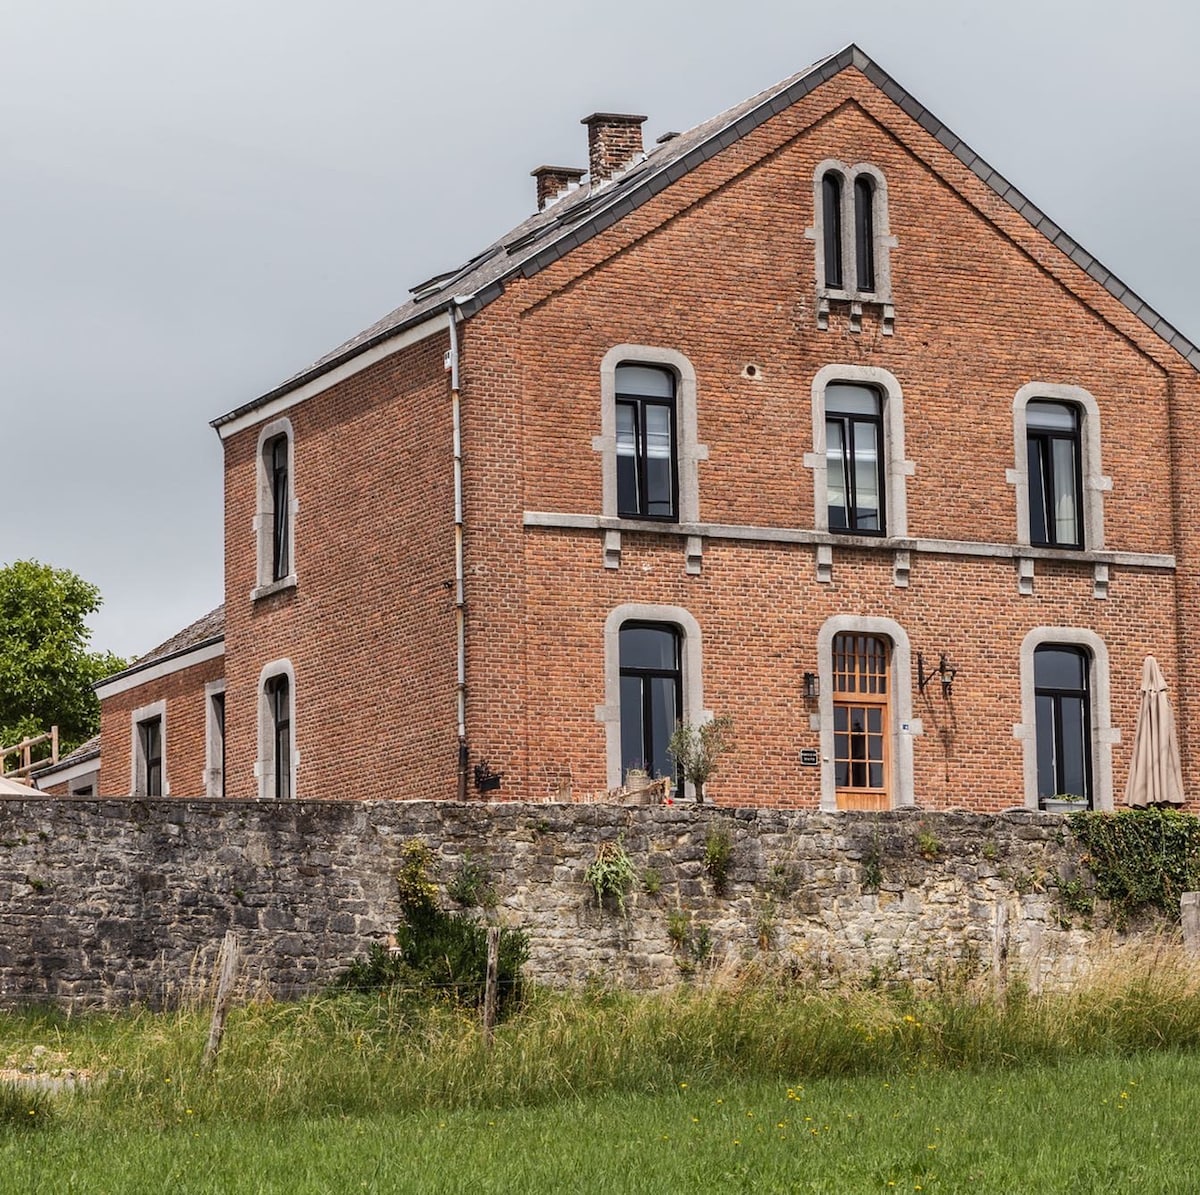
274, 587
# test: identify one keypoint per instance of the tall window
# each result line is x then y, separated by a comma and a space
215, 740
852, 240
831, 228
651, 696
854, 458
276, 506
1052, 442
150, 758
1060, 678
279, 720
861, 723
647, 474
280, 508
864, 231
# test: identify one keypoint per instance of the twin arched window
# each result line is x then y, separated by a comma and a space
852, 232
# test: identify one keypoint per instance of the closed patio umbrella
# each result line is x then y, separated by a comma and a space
1155, 777
13, 788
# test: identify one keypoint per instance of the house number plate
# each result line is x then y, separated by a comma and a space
808, 757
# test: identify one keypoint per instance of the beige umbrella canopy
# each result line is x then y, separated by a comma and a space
1155, 777
12, 788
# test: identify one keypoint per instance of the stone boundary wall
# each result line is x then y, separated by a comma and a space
114, 901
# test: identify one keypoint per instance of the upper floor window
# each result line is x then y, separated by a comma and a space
647, 469
281, 563
651, 696
1058, 481
1055, 490
860, 473
1063, 721
852, 240
276, 506
854, 458
649, 452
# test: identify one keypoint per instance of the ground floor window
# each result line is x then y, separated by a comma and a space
1063, 717
651, 696
861, 721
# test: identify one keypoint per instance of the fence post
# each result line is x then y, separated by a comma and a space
228, 961
489, 988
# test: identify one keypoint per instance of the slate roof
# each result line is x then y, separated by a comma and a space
81, 754
208, 629
550, 234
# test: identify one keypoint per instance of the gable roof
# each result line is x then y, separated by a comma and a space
84, 752
550, 234
204, 632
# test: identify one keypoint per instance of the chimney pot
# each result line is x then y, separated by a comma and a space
553, 180
614, 140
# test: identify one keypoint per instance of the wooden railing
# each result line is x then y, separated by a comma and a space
24, 749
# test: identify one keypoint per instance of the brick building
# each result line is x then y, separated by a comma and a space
805, 416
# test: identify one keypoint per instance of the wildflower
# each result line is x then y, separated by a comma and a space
695, 1120
682, 1084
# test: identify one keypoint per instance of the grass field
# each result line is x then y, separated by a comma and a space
733, 1088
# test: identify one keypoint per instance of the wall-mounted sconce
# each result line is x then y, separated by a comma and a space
945, 672
812, 686
486, 780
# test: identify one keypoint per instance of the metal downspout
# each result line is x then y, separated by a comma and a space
460, 605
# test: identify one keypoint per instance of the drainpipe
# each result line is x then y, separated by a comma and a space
460, 605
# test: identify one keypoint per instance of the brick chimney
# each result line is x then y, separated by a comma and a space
553, 180
614, 140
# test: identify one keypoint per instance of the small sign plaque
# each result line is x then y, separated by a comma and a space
808, 757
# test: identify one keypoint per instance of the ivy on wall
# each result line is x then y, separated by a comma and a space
1142, 857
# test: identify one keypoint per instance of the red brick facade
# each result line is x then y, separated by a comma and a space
719, 270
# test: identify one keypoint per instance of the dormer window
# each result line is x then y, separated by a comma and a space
852, 243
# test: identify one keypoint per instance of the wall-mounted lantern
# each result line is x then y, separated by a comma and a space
812, 686
945, 672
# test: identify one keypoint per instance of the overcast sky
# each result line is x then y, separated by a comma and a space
200, 199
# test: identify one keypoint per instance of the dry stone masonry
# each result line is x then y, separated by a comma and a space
115, 901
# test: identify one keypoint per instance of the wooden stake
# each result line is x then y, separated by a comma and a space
489, 989
228, 961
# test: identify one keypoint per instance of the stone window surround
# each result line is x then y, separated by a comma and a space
609, 713
896, 468
264, 511
137, 767
212, 743
688, 451
884, 242
904, 727
1094, 483
1104, 733
264, 765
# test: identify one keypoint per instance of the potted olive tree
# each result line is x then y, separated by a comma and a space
696, 750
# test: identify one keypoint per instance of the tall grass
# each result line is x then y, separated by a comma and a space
355, 1054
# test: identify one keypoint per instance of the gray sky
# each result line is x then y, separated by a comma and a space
199, 199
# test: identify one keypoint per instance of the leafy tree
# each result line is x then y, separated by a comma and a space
46, 670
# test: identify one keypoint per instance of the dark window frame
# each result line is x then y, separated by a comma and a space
831, 228
1039, 455
847, 421
278, 692
645, 714
217, 706
639, 403
1057, 695
276, 454
150, 755
864, 233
